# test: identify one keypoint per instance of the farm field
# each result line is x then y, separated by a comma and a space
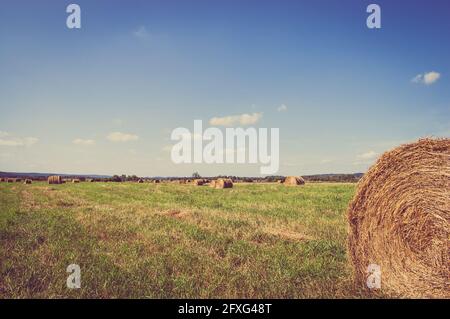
175, 241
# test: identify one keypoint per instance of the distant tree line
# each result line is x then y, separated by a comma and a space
134, 178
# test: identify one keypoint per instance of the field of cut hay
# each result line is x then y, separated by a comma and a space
175, 240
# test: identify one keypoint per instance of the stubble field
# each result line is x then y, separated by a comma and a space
175, 241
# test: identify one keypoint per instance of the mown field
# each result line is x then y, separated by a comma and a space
175, 241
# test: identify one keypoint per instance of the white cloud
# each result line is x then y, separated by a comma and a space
28, 141
431, 77
426, 78
242, 119
417, 79
141, 32
122, 137
249, 119
10, 142
80, 141
6, 139
282, 108
367, 155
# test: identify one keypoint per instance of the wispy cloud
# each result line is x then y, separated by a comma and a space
7, 139
367, 155
426, 78
242, 119
282, 108
122, 137
141, 33
80, 141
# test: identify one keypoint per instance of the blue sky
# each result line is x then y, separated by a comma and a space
143, 68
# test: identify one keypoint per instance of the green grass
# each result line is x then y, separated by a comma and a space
175, 241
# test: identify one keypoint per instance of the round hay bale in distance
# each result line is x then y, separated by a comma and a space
223, 183
294, 181
400, 220
55, 179
27, 181
198, 182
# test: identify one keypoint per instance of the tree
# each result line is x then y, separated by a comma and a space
196, 175
116, 178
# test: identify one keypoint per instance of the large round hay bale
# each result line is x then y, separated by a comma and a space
212, 183
400, 220
198, 182
294, 181
27, 181
55, 179
224, 183
75, 180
